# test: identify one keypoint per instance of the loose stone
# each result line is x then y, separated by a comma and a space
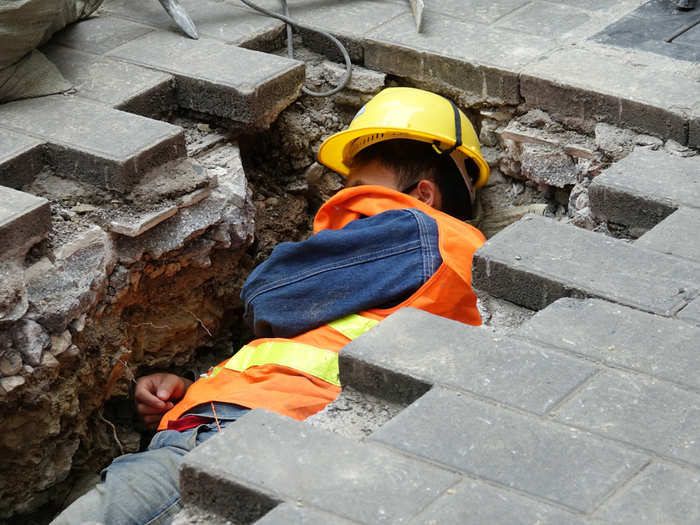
10, 383
10, 363
31, 340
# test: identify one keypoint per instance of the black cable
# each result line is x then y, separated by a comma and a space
290, 48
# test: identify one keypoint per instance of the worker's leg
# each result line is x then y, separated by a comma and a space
139, 488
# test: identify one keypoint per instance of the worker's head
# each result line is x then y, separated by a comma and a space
415, 137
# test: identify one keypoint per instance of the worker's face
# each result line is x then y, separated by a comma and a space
379, 175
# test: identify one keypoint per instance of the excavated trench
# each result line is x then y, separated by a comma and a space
177, 308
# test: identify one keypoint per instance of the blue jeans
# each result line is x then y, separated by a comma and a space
141, 488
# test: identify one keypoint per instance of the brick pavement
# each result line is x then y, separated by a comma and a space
588, 413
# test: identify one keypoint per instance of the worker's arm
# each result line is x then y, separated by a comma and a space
155, 394
371, 263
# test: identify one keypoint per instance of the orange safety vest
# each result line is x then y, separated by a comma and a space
298, 376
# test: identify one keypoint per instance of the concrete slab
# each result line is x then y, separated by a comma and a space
21, 158
592, 5
633, 192
229, 22
691, 312
639, 411
660, 494
538, 260
620, 337
483, 65
99, 34
91, 142
550, 462
474, 10
412, 345
325, 471
671, 235
475, 503
24, 221
545, 18
245, 86
627, 88
118, 84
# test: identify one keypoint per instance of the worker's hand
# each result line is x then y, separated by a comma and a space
155, 394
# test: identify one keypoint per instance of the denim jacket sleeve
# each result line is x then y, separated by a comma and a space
372, 262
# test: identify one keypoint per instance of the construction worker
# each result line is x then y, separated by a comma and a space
391, 239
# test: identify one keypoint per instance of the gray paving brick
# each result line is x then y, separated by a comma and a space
291, 514
94, 143
551, 462
226, 21
474, 10
482, 64
538, 260
348, 21
100, 34
118, 84
475, 503
544, 18
412, 345
674, 233
245, 86
660, 494
691, 312
642, 411
631, 192
321, 469
621, 337
20, 159
555, 84
592, 5
24, 220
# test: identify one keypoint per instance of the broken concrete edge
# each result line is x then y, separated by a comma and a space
134, 228
93, 291
145, 222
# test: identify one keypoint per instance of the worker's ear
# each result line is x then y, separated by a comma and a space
428, 192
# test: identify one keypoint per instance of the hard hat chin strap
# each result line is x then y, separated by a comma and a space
456, 157
458, 133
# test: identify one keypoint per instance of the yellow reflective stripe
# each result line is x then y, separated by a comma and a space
305, 358
353, 325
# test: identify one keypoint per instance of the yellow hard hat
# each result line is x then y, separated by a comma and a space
407, 113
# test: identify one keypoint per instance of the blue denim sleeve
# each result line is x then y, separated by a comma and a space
372, 262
